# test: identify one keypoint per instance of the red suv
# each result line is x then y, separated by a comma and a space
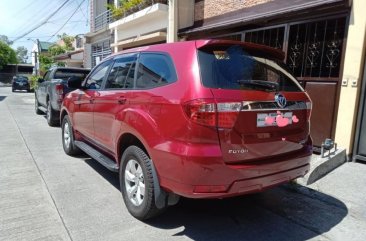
199, 119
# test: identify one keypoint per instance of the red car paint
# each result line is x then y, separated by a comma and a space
198, 154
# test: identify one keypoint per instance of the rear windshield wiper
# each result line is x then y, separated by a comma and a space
266, 85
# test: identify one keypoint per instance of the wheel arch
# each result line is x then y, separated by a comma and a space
63, 113
126, 140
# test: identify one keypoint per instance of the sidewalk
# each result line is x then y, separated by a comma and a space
27, 211
346, 183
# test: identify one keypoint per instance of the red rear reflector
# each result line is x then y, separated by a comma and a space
209, 189
208, 112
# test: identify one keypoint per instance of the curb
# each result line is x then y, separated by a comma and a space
320, 167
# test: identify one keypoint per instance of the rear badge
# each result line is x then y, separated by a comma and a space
280, 100
238, 151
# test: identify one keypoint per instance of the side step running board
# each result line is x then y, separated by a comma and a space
99, 157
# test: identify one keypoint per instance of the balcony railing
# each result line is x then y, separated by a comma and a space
102, 20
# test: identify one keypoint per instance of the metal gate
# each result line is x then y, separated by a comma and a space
359, 151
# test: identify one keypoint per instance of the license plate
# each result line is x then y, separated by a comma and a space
261, 119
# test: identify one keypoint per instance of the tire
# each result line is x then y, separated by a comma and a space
36, 106
68, 141
137, 184
51, 115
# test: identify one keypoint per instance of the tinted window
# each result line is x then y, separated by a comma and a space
21, 79
46, 76
95, 79
155, 70
122, 73
233, 68
67, 73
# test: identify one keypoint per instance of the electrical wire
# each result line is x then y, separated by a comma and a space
66, 21
82, 12
38, 13
43, 22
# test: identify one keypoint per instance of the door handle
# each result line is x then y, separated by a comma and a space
121, 100
91, 101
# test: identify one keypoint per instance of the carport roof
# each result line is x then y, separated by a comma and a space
265, 11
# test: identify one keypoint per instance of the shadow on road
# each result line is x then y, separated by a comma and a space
2, 98
289, 212
111, 177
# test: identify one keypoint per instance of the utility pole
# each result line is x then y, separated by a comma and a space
36, 54
172, 21
36, 62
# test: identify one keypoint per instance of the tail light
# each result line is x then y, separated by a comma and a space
59, 92
209, 113
59, 89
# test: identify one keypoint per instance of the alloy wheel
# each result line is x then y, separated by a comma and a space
67, 137
134, 182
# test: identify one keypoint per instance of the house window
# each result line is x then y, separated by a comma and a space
315, 48
273, 37
100, 51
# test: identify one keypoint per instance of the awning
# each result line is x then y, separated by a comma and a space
264, 11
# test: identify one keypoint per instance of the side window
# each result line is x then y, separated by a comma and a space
155, 70
46, 76
95, 79
122, 73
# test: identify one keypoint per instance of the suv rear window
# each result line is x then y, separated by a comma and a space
21, 79
231, 67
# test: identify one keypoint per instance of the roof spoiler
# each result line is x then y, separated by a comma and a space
251, 48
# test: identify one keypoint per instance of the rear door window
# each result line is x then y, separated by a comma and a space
121, 75
154, 69
231, 67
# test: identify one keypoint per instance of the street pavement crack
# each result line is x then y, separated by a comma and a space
39, 171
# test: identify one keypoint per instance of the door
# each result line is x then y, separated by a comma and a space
84, 104
112, 101
42, 90
359, 152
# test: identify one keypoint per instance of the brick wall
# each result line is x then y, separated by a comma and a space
211, 8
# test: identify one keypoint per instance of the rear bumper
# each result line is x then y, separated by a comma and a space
210, 177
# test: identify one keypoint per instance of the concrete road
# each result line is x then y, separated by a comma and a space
47, 195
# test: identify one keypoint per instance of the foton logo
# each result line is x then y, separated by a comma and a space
238, 151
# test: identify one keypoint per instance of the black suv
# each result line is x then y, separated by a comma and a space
20, 83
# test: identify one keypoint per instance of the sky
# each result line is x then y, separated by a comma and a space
17, 17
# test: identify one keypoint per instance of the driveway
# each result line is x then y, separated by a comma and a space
47, 195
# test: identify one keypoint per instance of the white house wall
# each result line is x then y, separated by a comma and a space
148, 20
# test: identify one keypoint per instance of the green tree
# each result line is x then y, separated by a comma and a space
22, 54
47, 61
68, 40
124, 7
5, 39
7, 55
56, 50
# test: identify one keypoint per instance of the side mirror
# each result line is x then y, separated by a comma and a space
40, 80
74, 82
